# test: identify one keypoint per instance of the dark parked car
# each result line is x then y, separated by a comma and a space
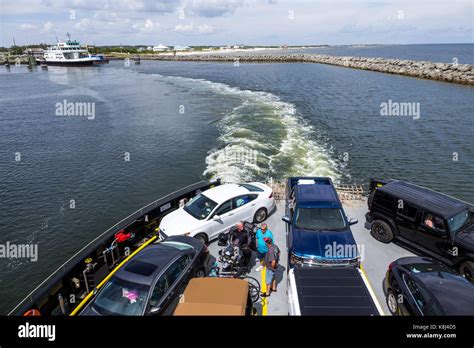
429, 222
318, 231
423, 286
152, 281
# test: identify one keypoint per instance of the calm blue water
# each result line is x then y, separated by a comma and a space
178, 121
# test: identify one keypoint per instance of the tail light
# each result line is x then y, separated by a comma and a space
271, 195
391, 265
206, 250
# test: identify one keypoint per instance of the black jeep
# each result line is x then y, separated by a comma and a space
423, 220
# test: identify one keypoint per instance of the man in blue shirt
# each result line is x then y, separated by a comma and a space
262, 248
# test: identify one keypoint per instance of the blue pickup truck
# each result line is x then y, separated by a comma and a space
318, 230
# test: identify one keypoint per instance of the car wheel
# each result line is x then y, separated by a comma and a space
467, 270
201, 273
392, 302
381, 231
260, 215
202, 237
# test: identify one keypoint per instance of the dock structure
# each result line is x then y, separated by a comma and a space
375, 256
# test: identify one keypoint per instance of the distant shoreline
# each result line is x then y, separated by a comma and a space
446, 72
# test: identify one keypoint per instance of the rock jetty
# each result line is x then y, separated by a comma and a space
455, 73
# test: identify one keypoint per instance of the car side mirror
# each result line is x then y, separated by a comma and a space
286, 219
353, 221
442, 233
216, 218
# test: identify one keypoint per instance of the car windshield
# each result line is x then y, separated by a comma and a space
459, 220
177, 245
429, 268
121, 297
317, 219
200, 207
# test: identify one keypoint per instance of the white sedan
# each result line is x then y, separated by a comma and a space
216, 210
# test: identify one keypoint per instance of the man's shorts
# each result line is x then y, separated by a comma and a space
269, 275
260, 256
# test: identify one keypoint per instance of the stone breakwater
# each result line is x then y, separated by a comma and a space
455, 73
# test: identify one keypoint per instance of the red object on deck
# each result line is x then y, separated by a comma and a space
32, 313
122, 236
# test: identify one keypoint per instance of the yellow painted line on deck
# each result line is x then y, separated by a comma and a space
372, 292
93, 292
264, 290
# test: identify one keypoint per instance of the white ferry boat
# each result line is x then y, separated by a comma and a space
69, 53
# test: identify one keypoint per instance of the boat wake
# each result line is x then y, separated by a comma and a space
262, 137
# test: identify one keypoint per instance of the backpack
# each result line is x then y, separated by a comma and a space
276, 254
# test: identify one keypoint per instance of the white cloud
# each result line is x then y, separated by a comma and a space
108, 17
191, 28
150, 6
213, 8
22, 7
83, 25
47, 27
28, 26
184, 28
205, 29
244, 21
148, 26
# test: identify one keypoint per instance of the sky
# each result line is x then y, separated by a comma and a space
233, 22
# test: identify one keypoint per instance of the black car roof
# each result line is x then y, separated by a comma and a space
435, 202
147, 264
454, 293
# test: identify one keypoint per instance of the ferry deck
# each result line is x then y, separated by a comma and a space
375, 256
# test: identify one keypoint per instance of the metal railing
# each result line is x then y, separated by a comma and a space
347, 192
